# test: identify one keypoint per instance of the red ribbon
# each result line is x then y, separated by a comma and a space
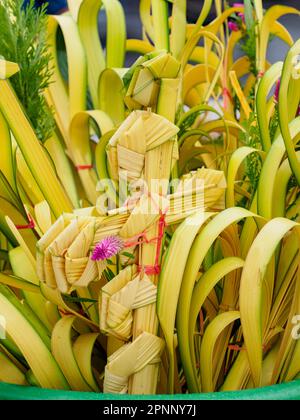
83, 167
235, 347
31, 224
260, 74
227, 93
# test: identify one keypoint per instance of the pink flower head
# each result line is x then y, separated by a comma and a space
107, 248
276, 93
234, 27
238, 4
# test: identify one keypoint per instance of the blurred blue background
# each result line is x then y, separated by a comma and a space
277, 48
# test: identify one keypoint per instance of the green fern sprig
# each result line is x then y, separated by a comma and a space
23, 39
251, 138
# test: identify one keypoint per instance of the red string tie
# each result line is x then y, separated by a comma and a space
235, 347
156, 268
260, 74
83, 167
108, 247
227, 93
30, 225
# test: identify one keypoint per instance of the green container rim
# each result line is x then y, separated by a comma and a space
289, 391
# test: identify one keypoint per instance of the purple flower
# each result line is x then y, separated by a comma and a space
234, 27
276, 93
107, 248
